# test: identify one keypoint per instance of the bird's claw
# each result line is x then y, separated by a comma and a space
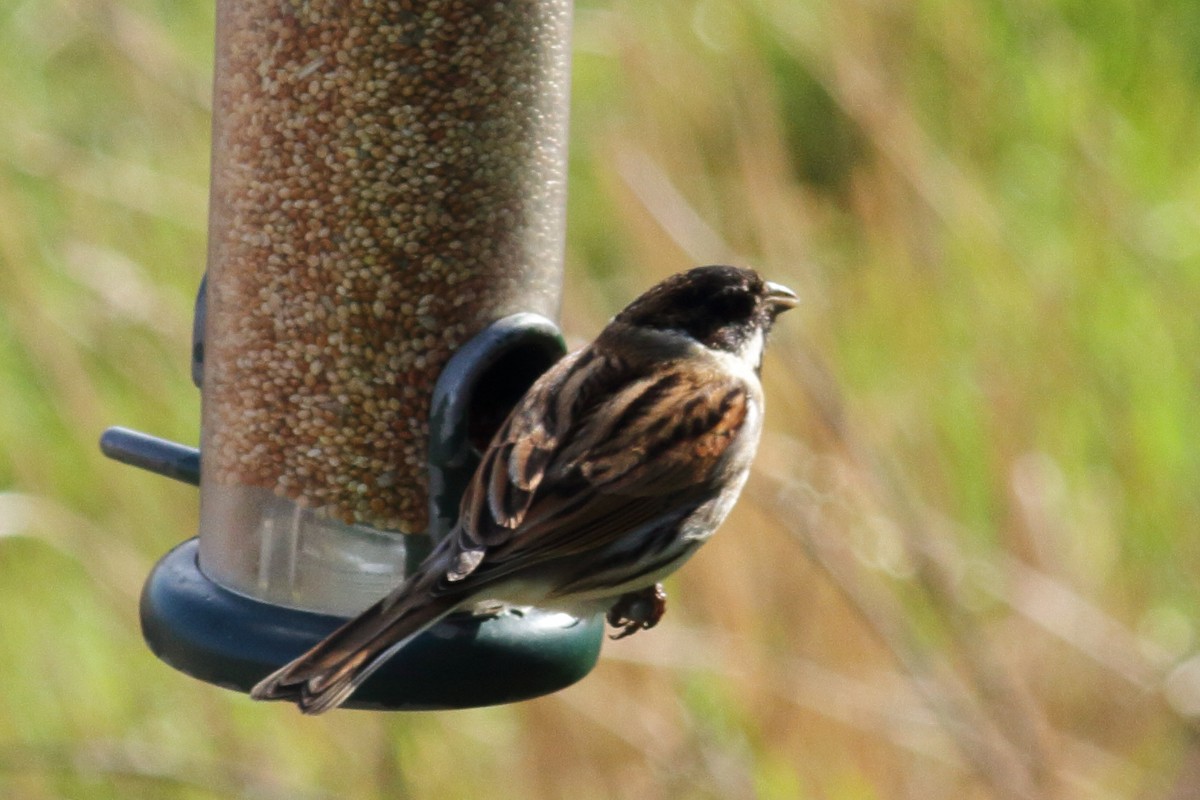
637, 611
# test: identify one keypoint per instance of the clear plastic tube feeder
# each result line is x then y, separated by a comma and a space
385, 249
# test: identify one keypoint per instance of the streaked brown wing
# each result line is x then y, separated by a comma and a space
512, 469
623, 451
670, 434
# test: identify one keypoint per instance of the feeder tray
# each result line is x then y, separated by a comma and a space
223, 637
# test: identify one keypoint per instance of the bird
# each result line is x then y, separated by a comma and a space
615, 466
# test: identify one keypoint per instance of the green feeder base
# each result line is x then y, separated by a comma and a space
222, 637
229, 639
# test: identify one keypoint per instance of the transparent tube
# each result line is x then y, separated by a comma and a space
385, 183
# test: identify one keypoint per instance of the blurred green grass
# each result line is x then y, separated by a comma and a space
967, 566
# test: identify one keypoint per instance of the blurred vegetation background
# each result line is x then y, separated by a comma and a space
967, 563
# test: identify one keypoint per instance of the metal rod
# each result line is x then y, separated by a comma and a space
160, 456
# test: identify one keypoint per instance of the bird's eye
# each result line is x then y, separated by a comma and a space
731, 305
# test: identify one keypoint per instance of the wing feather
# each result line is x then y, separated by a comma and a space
616, 451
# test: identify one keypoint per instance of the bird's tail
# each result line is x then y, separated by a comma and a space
324, 677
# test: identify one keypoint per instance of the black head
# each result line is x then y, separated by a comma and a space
721, 307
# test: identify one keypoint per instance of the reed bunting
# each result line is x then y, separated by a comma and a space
617, 464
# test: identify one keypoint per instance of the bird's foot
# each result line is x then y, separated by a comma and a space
637, 611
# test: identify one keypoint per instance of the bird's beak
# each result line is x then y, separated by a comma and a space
780, 298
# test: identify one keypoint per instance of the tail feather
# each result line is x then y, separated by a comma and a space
324, 677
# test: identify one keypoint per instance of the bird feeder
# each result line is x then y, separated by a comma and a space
385, 246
